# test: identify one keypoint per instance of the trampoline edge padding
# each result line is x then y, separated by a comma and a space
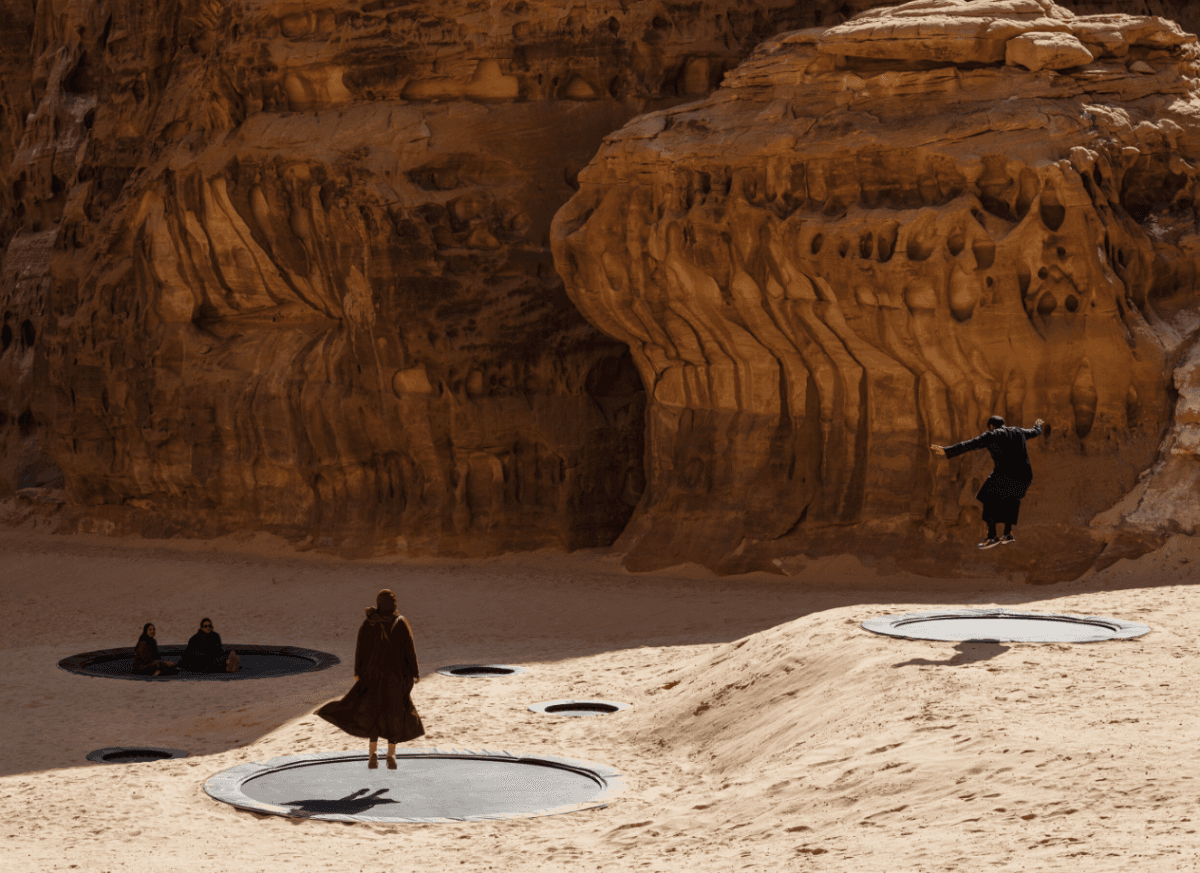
226, 786
1106, 628
317, 660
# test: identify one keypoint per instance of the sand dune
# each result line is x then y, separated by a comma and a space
768, 731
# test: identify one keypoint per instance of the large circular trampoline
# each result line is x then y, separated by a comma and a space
257, 662
578, 708
428, 786
1003, 625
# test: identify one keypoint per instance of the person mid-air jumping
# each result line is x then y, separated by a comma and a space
1001, 493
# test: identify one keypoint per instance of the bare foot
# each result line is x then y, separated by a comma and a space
391, 762
373, 762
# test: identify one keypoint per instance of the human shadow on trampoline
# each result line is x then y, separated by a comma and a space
965, 653
352, 804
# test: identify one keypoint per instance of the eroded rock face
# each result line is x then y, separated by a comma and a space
286, 266
870, 239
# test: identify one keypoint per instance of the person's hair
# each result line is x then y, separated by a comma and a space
203, 620
147, 626
995, 421
385, 602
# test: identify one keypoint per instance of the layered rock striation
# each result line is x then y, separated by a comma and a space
871, 238
286, 266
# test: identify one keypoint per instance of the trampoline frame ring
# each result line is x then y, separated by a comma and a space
541, 708
98, 755
1115, 628
449, 671
226, 786
77, 664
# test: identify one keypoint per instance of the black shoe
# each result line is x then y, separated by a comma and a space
1007, 538
989, 543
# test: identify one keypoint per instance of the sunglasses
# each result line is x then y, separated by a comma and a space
206, 624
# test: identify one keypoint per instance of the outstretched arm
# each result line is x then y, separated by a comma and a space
971, 445
1036, 430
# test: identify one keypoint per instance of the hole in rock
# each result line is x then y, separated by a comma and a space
887, 241
25, 423
866, 245
1062, 252
1072, 303
6, 338
843, 248
817, 242
79, 80
990, 281
1043, 273
1046, 305
918, 249
955, 243
27, 333
985, 253
660, 23
1052, 212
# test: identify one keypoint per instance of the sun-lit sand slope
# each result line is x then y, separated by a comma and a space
768, 730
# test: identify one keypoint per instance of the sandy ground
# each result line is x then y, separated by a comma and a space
767, 731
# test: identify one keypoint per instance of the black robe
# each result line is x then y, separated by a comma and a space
380, 703
146, 660
1002, 491
204, 654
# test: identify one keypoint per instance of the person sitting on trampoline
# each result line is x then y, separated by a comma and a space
1002, 491
385, 669
145, 656
205, 654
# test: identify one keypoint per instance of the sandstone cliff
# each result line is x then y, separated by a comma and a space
285, 266
873, 237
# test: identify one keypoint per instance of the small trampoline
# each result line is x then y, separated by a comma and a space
1003, 625
133, 755
429, 786
256, 662
578, 707
480, 671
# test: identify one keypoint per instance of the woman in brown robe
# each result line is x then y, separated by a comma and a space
385, 669
145, 656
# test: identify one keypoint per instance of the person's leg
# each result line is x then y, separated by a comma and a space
373, 760
232, 662
991, 530
391, 756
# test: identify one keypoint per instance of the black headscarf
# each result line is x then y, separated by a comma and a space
384, 611
149, 641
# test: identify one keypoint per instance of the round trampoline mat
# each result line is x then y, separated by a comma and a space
427, 786
1004, 625
578, 708
480, 671
133, 755
256, 662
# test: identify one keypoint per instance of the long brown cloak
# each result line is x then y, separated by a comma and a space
380, 703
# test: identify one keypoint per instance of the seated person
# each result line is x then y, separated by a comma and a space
145, 657
204, 653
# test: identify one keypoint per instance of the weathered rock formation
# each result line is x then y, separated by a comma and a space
873, 237
286, 266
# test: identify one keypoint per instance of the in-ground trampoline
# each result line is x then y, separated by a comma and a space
257, 662
480, 671
428, 786
133, 755
577, 708
1003, 625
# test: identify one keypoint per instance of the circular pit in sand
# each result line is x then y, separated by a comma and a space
428, 786
256, 662
133, 755
1003, 626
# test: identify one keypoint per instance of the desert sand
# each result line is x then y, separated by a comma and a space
768, 731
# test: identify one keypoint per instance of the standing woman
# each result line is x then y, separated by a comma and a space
1001, 493
385, 669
